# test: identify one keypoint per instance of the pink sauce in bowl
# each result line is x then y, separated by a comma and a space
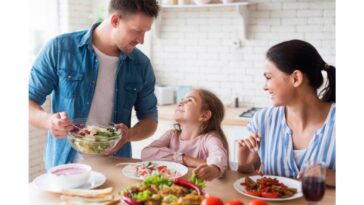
69, 171
70, 175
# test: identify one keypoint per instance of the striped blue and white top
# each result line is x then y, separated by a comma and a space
276, 146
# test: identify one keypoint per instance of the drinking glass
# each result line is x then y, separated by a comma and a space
313, 181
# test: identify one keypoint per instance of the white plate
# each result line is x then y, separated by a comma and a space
130, 170
287, 181
43, 182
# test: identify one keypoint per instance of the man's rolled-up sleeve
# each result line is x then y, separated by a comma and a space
43, 75
146, 103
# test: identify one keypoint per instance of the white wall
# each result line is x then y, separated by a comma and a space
196, 47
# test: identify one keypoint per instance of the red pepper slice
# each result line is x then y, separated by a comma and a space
253, 192
270, 194
188, 184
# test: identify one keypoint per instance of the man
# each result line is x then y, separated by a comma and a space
96, 74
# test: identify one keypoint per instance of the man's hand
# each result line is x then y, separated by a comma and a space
207, 172
124, 139
59, 124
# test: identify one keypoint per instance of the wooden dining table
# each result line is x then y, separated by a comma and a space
222, 187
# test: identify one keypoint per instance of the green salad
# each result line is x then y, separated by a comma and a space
94, 139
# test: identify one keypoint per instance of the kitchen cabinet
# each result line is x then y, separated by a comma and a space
234, 133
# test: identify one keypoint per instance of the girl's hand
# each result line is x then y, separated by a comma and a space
207, 172
192, 161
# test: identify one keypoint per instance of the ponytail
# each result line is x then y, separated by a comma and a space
329, 92
294, 55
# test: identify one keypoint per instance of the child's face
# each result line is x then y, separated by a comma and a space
189, 109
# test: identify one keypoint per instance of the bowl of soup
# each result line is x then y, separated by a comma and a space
70, 175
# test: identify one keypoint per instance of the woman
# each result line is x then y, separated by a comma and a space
301, 125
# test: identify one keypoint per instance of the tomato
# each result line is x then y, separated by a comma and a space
270, 194
253, 192
235, 202
257, 202
212, 200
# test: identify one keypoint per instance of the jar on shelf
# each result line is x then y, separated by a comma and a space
227, 1
183, 2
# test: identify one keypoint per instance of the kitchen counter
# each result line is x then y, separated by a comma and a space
166, 112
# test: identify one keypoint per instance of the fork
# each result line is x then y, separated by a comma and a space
260, 171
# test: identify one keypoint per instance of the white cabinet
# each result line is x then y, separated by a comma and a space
234, 133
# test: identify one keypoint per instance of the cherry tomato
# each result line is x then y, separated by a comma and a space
235, 202
212, 200
257, 202
270, 194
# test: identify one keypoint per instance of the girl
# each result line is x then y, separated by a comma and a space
197, 139
301, 125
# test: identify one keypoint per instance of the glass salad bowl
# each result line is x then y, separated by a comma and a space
92, 138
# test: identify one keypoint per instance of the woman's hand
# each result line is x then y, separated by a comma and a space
248, 157
251, 142
207, 172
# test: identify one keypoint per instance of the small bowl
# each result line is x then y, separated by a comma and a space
97, 140
69, 175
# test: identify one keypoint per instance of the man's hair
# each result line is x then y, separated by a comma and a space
130, 7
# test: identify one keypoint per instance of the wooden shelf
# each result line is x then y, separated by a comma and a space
171, 6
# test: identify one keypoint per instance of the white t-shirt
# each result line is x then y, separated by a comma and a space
103, 99
298, 153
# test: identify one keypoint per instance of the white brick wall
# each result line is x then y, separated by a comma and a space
207, 57
75, 14
37, 139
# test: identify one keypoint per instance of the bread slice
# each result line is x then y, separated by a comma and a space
87, 193
71, 202
90, 199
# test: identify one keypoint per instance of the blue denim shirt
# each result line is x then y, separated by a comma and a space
67, 68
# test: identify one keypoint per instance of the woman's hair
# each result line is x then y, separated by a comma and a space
294, 55
210, 102
129, 7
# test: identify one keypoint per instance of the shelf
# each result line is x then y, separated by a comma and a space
240, 7
171, 6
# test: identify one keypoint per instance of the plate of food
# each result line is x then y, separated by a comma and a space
157, 189
142, 170
269, 188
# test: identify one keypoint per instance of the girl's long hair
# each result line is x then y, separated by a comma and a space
210, 102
